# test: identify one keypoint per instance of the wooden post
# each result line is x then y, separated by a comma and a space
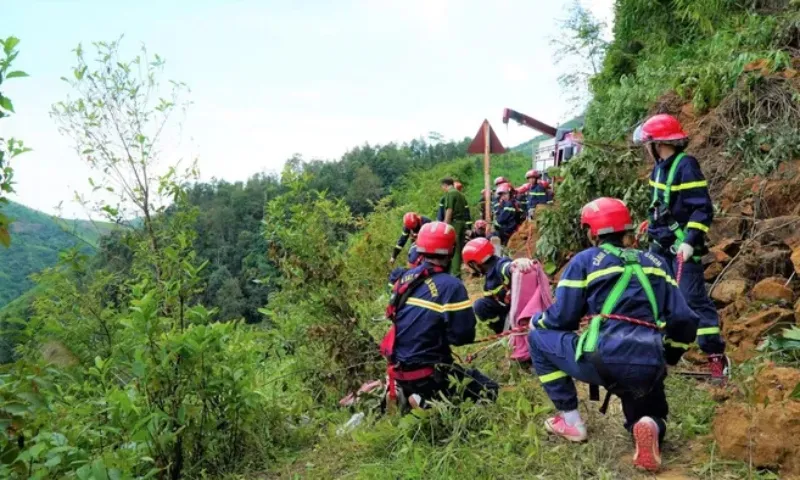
487, 195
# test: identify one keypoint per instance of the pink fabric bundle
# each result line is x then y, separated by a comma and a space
530, 293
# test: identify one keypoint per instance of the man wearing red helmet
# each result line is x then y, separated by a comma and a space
430, 312
680, 215
479, 231
638, 321
506, 215
412, 223
493, 308
536, 193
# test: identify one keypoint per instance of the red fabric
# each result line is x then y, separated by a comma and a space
410, 376
387, 344
606, 215
662, 128
533, 173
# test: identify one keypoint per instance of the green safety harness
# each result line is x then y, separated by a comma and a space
587, 343
673, 225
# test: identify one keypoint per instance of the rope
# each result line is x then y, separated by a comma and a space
525, 329
528, 240
680, 260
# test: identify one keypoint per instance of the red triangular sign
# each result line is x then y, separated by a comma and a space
478, 144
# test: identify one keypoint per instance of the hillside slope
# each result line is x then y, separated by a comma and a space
36, 240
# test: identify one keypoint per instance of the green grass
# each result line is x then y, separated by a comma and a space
507, 439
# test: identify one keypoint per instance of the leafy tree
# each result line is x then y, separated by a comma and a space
9, 148
118, 122
365, 189
582, 46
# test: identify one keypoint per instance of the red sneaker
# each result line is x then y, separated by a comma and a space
719, 366
645, 436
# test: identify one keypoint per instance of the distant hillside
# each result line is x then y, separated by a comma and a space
36, 240
528, 147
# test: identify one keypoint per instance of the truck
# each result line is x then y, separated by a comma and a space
563, 144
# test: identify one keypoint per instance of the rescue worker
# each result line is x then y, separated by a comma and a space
430, 313
629, 296
506, 215
479, 231
411, 226
536, 193
456, 211
493, 308
680, 215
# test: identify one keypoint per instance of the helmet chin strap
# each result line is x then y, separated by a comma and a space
654, 152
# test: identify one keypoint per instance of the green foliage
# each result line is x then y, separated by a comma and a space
595, 173
784, 346
9, 148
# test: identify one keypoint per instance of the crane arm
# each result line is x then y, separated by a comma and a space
530, 122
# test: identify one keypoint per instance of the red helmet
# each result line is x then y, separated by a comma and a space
458, 186
660, 128
504, 188
481, 225
478, 251
436, 238
533, 174
606, 215
500, 181
411, 221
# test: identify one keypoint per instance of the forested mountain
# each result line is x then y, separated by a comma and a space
229, 223
37, 239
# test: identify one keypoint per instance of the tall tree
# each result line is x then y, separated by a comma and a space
118, 123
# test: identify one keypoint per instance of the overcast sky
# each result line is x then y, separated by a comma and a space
272, 78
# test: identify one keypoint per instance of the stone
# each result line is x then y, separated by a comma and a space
772, 289
729, 290
778, 230
797, 312
712, 271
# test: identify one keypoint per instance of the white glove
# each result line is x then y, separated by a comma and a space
523, 265
391, 260
686, 251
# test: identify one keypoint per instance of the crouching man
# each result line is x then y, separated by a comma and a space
431, 312
638, 322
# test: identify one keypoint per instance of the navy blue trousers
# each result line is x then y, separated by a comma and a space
553, 356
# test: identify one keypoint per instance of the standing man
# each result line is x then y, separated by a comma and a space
455, 206
506, 215
536, 192
680, 215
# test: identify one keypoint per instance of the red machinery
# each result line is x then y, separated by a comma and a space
564, 143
